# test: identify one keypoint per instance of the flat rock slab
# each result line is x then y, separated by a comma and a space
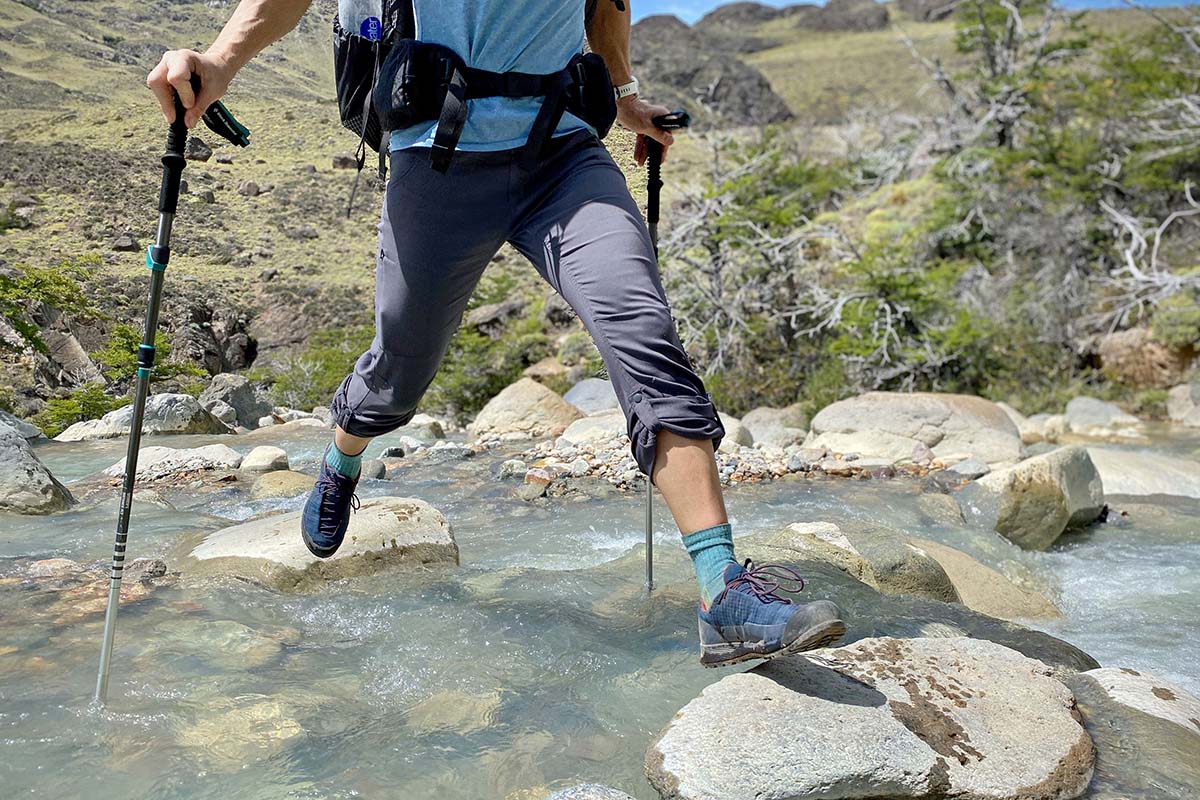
985, 590
891, 425
157, 463
895, 718
385, 532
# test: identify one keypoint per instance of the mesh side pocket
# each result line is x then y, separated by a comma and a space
355, 64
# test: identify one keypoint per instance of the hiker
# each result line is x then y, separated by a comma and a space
524, 170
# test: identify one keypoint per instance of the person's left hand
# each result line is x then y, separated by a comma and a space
636, 114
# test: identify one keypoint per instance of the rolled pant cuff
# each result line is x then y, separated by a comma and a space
692, 417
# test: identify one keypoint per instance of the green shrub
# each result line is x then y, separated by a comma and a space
118, 358
57, 286
1176, 321
84, 403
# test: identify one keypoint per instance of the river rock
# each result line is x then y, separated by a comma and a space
735, 433
26, 486
880, 558
1138, 472
237, 392
1150, 695
526, 409
374, 469
1183, 404
282, 483
1138, 754
1135, 358
240, 730
385, 532
589, 791
1042, 496
592, 395
920, 718
891, 424
165, 414
596, 428
452, 711
985, 590
1098, 419
156, 463
424, 428
1032, 429
26, 429
265, 458
778, 427
222, 411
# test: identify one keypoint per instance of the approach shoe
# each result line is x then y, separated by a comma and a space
749, 619
327, 512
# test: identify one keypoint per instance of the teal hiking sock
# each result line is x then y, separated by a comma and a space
343, 464
711, 550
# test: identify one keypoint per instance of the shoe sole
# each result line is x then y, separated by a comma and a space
814, 638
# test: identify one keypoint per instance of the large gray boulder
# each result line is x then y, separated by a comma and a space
237, 392
597, 428
778, 427
896, 718
1139, 472
26, 486
891, 424
265, 458
592, 395
880, 558
1041, 497
736, 434
1183, 404
165, 414
26, 429
983, 589
1098, 419
525, 409
384, 533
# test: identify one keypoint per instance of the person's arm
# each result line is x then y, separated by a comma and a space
254, 25
608, 34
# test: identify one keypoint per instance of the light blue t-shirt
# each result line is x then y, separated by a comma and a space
537, 36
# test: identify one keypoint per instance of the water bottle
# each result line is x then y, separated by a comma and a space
362, 17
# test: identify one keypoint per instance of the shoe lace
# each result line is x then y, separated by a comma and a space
764, 580
327, 484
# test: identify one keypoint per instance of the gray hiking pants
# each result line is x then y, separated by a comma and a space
574, 219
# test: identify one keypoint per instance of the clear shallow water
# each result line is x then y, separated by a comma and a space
525, 668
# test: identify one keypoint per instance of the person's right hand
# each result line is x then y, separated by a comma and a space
173, 75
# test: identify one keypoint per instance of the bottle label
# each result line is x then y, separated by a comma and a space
371, 28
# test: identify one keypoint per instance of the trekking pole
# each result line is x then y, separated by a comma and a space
674, 121
217, 118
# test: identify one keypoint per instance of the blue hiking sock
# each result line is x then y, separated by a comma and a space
343, 464
711, 550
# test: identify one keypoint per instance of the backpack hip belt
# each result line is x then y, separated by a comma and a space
420, 82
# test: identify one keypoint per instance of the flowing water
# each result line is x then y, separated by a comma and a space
538, 663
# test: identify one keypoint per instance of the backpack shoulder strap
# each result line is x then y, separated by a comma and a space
400, 20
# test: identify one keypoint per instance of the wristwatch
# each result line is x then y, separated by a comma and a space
626, 89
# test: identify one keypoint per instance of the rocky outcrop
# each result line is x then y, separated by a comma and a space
778, 427
1136, 359
1041, 497
26, 486
682, 67
892, 425
165, 414
919, 718
848, 15
592, 396
524, 410
880, 558
927, 10
1183, 404
170, 463
385, 532
1087, 416
1140, 472
983, 589
238, 393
